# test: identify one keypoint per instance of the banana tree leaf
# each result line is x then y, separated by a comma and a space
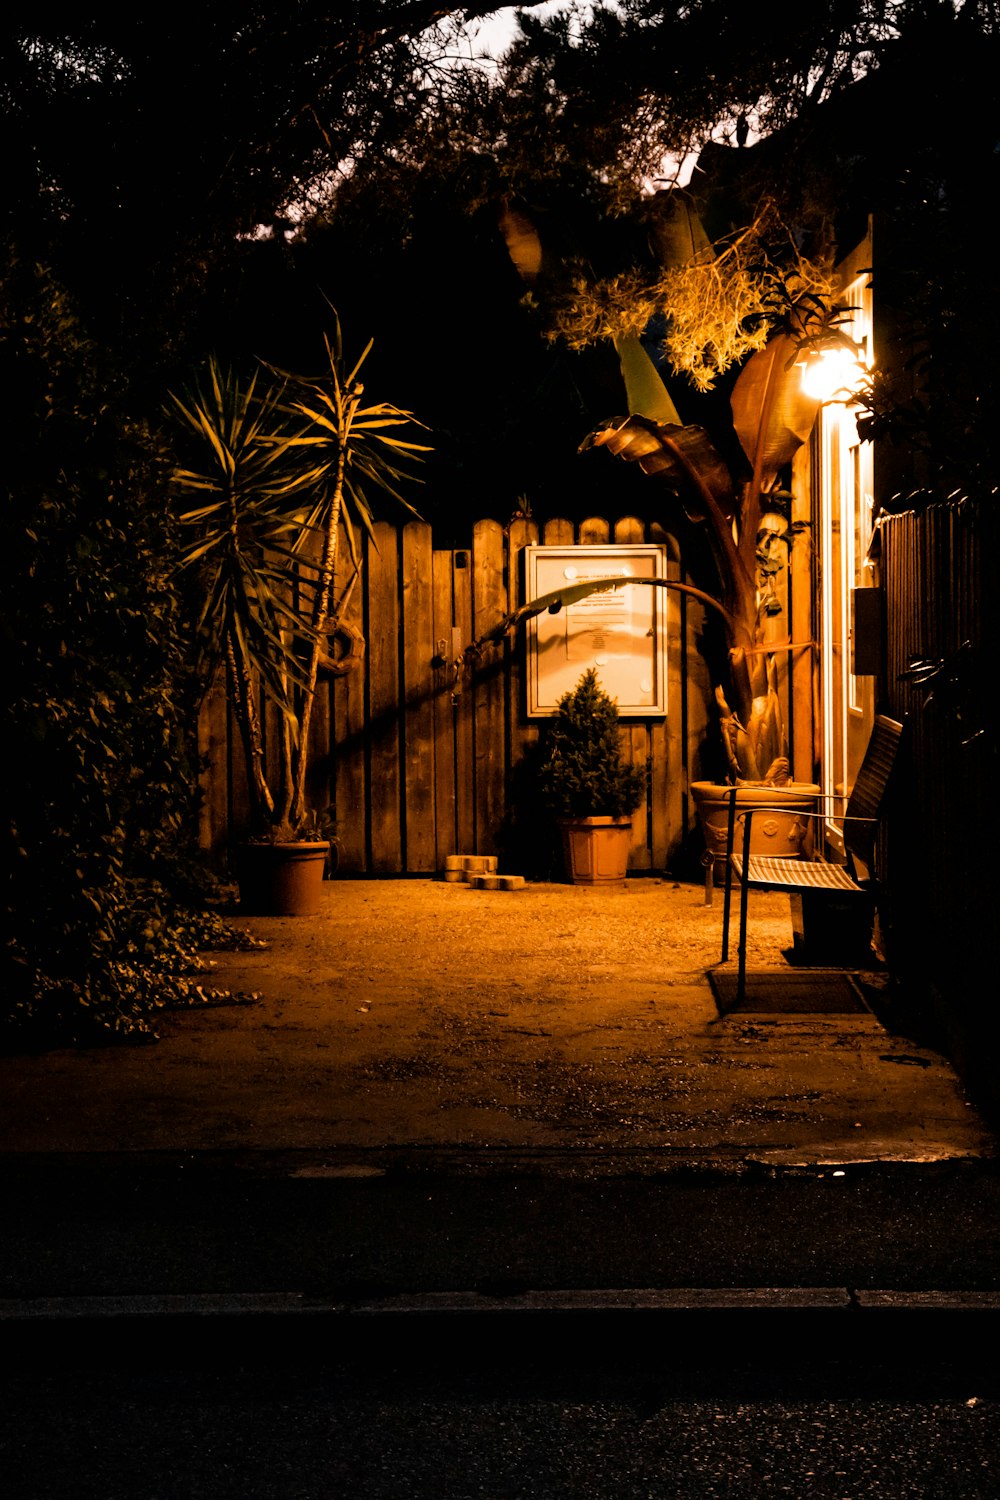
685, 455
646, 393
772, 414
559, 598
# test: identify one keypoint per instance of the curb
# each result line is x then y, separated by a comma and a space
395, 1163
476, 1303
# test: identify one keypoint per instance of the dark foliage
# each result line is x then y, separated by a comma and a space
856, 108
99, 783
139, 152
914, 144
139, 145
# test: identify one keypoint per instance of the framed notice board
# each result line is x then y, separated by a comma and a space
620, 632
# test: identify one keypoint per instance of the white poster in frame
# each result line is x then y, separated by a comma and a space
620, 632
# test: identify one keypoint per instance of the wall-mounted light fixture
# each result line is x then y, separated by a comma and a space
836, 373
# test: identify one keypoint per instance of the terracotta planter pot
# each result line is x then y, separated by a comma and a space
784, 834
281, 880
596, 849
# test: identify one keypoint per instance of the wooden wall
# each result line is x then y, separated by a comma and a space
940, 607
416, 765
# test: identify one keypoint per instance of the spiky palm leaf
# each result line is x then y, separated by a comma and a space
346, 448
332, 422
253, 502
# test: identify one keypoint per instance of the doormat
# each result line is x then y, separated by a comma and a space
775, 992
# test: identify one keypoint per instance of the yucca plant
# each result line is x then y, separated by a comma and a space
275, 463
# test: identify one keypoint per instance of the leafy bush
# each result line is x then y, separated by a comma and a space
100, 786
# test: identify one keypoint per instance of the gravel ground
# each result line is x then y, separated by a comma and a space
425, 1014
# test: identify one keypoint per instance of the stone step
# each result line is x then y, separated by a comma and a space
497, 882
463, 866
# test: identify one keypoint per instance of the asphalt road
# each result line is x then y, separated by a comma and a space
592, 1405
296, 1327
356, 1230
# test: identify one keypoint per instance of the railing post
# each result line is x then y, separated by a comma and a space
741, 984
728, 900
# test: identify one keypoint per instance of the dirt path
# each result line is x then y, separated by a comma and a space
414, 1013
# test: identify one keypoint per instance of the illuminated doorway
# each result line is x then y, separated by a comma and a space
844, 508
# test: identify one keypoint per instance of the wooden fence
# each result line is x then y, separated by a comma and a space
415, 765
940, 602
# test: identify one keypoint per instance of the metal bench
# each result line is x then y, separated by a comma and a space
853, 880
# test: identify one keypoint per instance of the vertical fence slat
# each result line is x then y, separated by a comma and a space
635, 747
630, 531
521, 732
678, 731
669, 751
272, 727
319, 787
594, 532
383, 700
213, 751
445, 828
558, 533
418, 690
489, 606
665, 794
465, 779
349, 719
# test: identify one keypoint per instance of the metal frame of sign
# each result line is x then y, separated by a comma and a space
620, 632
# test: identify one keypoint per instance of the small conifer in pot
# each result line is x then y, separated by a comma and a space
582, 773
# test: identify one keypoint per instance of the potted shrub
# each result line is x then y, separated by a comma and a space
585, 784
269, 467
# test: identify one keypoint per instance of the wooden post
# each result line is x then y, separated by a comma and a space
418, 689
521, 733
594, 532
630, 531
465, 706
213, 747
383, 700
489, 606
444, 708
349, 781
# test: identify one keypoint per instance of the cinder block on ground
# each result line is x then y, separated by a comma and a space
463, 866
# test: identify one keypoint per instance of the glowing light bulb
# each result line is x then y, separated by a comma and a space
829, 374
